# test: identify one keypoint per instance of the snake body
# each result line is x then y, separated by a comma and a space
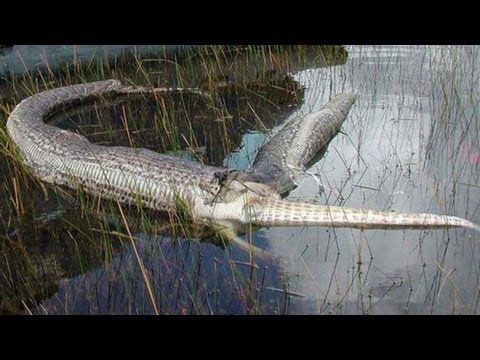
146, 178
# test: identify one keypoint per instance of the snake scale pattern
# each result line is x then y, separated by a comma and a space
146, 178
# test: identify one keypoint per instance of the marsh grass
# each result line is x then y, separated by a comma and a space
145, 262
410, 144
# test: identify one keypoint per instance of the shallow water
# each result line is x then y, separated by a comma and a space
410, 144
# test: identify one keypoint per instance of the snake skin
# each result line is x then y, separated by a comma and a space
146, 178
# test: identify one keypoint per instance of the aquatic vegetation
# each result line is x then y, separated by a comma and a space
410, 146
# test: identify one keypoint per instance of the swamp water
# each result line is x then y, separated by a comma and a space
409, 144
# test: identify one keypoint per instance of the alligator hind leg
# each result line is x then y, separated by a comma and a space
228, 234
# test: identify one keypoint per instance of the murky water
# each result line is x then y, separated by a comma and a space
409, 144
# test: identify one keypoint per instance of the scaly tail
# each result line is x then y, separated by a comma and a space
288, 213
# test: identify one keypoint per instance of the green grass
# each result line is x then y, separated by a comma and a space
410, 144
49, 234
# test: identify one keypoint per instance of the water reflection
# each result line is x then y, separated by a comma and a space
410, 144
60, 255
416, 108
202, 278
